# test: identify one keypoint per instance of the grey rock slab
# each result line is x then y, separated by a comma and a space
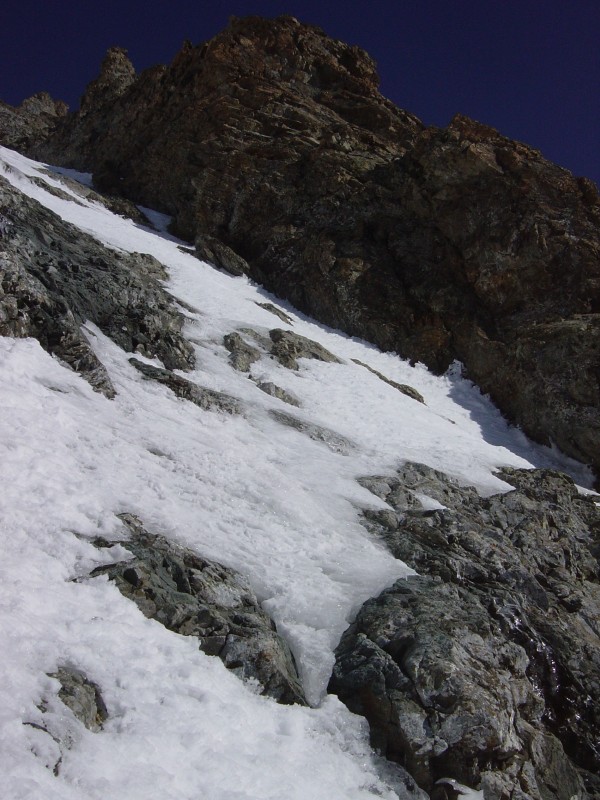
277, 311
208, 399
242, 355
288, 347
264, 342
193, 596
485, 668
276, 391
54, 277
334, 441
82, 696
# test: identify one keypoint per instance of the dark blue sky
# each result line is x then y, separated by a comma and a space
530, 68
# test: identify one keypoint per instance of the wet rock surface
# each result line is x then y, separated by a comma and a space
207, 399
486, 667
439, 244
54, 277
195, 597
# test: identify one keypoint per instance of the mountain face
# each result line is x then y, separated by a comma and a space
274, 151
194, 469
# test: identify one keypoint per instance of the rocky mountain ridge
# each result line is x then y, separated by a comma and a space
481, 670
273, 149
281, 160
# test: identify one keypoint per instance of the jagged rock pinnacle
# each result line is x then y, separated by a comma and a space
117, 73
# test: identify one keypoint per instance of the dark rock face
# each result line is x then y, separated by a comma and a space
486, 668
54, 277
116, 76
277, 156
441, 244
195, 597
214, 252
31, 123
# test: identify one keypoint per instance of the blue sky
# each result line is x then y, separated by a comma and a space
529, 68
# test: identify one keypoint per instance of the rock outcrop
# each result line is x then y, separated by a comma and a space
31, 123
272, 148
56, 727
288, 347
54, 277
242, 355
486, 667
207, 399
196, 597
82, 697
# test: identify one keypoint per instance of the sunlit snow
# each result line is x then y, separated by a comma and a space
245, 491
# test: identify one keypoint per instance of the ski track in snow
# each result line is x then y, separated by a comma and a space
245, 491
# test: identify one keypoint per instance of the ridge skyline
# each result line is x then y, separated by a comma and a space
532, 77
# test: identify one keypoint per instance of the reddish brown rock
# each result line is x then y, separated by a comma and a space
25, 126
440, 244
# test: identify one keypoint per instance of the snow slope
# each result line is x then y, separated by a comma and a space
246, 491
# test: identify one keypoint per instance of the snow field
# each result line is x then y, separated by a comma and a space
245, 491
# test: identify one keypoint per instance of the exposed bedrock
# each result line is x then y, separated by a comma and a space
486, 667
196, 597
457, 243
31, 122
54, 277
